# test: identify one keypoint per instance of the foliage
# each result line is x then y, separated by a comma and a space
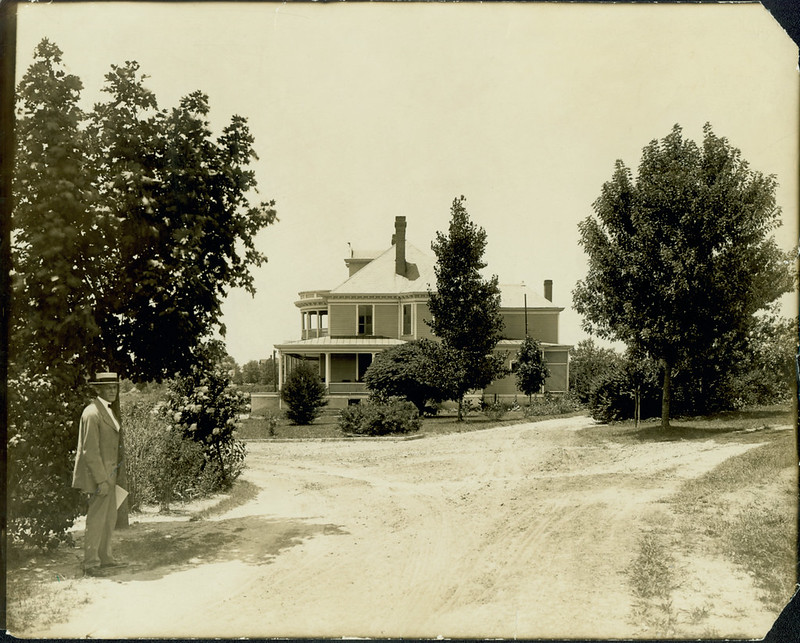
305, 393
496, 411
262, 371
380, 418
532, 371
205, 407
130, 224
421, 371
465, 307
613, 394
43, 412
681, 257
162, 464
766, 374
551, 404
589, 363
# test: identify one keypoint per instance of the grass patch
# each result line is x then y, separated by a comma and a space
749, 504
652, 583
728, 426
326, 426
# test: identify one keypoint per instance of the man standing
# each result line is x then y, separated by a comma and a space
97, 464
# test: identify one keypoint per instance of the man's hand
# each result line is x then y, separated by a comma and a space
102, 488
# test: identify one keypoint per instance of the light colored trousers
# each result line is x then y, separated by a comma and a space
100, 520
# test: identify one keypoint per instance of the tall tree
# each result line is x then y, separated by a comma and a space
130, 225
532, 371
681, 257
54, 243
465, 307
177, 202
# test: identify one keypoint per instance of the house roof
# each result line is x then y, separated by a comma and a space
379, 277
514, 296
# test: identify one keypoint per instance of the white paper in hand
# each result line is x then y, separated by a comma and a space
121, 494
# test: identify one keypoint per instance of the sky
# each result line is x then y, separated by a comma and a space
362, 112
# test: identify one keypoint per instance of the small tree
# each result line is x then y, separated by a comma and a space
304, 392
587, 364
465, 307
419, 371
532, 371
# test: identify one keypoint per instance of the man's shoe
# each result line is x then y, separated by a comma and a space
95, 572
113, 563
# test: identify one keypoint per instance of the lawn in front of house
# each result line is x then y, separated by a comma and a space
326, 426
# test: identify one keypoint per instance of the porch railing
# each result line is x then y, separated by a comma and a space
346, 387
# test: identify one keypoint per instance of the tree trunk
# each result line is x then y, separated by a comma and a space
637, 411
460, 415
666, 393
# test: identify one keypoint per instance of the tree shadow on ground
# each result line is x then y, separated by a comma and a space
680, 432
152, 550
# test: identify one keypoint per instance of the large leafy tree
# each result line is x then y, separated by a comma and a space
681, 256
130, 223
465, 307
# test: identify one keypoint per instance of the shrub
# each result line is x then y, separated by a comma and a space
43, 416
550, 404
162, 465
304, 392
420, 371
205, 407
373, 418
495, 411
613, 395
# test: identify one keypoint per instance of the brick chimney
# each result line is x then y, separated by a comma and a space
548, 289
399, 241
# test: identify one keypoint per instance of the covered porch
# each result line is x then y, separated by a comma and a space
340, 361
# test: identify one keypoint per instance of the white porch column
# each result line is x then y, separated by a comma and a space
280, 378
328, 371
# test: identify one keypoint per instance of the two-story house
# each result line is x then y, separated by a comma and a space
384, 302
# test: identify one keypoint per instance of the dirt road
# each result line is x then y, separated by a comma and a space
520, 531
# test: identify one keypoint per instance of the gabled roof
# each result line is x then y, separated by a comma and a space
378, 277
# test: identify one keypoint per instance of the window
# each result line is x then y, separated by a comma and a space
365, 319
364, 362
406, 319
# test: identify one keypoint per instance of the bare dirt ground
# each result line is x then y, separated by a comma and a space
520, 531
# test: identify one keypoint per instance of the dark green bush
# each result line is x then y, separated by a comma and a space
43, 416
373, 418
613, 396
304, 392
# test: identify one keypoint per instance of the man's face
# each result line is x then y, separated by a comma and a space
108, 391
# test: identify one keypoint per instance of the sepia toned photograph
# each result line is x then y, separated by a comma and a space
401, 320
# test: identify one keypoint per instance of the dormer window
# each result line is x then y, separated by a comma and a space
365, 319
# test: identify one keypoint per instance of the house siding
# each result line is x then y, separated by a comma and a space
423, 330
385, 320
542, 326
342, 320
557, 382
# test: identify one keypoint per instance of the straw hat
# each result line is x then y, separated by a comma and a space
105, 378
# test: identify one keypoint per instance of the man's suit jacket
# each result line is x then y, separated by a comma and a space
98, 458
